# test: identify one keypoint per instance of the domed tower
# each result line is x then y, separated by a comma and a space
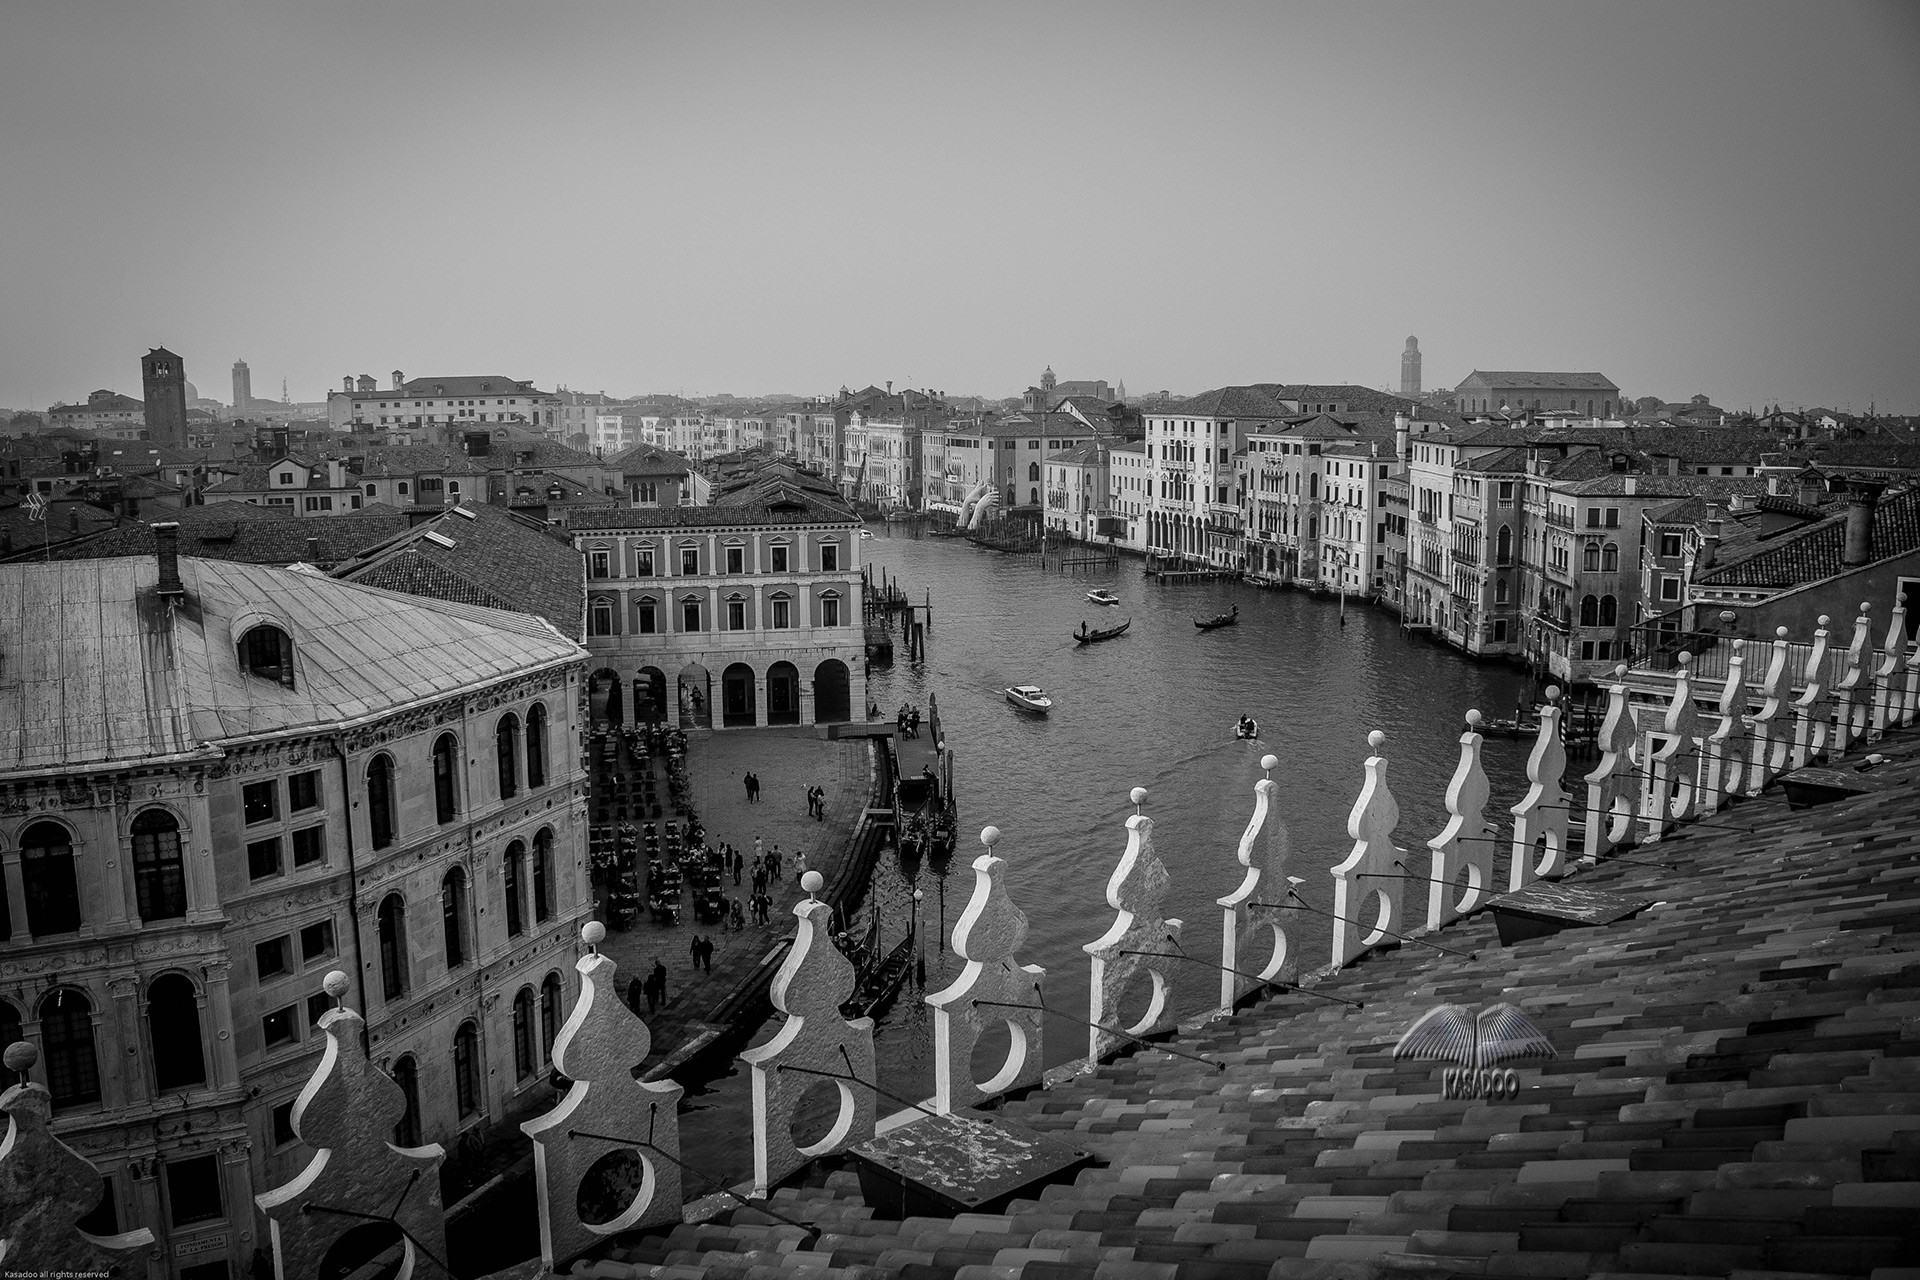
1047, 380
1410, 368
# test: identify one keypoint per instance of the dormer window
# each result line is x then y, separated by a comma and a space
267, 651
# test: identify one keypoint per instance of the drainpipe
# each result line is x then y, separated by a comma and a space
353, 895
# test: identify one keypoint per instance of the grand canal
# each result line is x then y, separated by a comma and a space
1155, 709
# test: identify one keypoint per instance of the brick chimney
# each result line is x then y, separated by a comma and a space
166, 544
1862, 497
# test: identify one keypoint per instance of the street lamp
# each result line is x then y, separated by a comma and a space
920, 947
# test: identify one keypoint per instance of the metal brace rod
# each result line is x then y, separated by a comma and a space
1125, 1035
1270, 982
813, 1232
1306, 906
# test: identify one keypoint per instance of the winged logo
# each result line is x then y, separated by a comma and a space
1498, 1033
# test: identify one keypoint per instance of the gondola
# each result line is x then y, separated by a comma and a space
1084, 636
1247, 729
880, 985
1226, 619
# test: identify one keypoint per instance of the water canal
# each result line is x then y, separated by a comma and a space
1155, 708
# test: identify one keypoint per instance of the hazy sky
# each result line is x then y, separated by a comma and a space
1711, 197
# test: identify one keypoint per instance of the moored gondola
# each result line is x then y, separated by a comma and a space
1226, 619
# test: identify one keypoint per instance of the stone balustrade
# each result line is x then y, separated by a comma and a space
1464, 847
1540, 820
1262, 856
1140, 941
1813, 709
1369, 887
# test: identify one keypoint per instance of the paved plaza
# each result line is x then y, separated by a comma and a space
787, 762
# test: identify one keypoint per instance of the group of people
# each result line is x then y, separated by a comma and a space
752, 781
817, 803
702, 951
654, 988
907, 720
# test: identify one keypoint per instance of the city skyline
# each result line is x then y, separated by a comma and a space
1706, 199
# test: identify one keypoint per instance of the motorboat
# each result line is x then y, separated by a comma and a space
1103, 597
1085, 636
1247, 729
1030, 697
866, 533
1226, 619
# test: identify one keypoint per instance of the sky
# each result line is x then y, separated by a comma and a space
1700, 197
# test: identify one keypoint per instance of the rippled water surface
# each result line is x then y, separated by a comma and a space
1154, 708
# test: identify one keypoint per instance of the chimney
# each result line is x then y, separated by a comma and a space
1862, 497
1401, 428
1710, 543
398, 379
166, 545
346, 384
1807, 490
313, 551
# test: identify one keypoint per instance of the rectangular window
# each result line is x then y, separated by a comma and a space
643, 562
303, 791
1586, 651
257, 802
1669, 544
277, 1028
689, 615
644, 619
193, 1190
317, 1005
779, 559
263, 858
1613, 517
316, 941
597, 565
283, 1124
830, 611
1593, 517
736, 559
270, 958
829, 557
736, 615
782, 614
1669, 588
309, 846
600, 618
689, 561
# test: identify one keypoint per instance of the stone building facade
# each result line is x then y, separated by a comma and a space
224, 780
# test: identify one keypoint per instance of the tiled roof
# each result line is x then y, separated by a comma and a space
648, 460
1813, 554
497, 559
243, 532
1531, 380
394, 460
1500, 460
1224, 402
97, 673
477, 385
1080, 455
1738, 1072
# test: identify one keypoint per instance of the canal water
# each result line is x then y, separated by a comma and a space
1154, 708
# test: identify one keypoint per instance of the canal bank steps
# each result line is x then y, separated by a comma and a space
1736, 1092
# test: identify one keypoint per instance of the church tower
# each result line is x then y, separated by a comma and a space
164, 382
1047, 380
242, 387
1410, 368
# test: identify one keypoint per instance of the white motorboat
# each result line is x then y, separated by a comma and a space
1103, 597
1030, 697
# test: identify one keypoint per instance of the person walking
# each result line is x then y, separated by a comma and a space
706, 954
736, 872
819, 804
693, 949
799, 864
746, 780
660, 981
759, 850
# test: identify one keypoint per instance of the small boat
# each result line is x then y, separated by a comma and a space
1103, 597
1247, 729
1084, 636
880, 984
866, 533
1226, 619
1029, 697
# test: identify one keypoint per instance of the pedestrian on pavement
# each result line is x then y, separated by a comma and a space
693, 949
799, 864
636, 989
746, 780
759, 849
706, 954
776, 858
660, 981
819, 804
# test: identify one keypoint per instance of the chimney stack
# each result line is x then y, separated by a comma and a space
1401, 429
313, 551
1862, 497
166, 544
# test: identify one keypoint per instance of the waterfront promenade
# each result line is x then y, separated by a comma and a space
787, 761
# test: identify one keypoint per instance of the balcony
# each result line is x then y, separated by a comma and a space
1559, 520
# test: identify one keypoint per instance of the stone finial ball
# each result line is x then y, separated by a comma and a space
334, 984
1269, 762
1553, 693
989, 836
813, 882
919, 895
1138, 795
1474, 718
1726, 616
1780, 632
1620, 672
1685, 660
1866, 606
1824, 619
21, 1055
1376, 739
593, 933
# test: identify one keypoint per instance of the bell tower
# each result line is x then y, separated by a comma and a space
1410, 368
164, 382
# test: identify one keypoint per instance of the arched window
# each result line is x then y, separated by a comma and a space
536, 745
380, 800
1500, 591
406, 1074
1590, 558
159, 877
453, 916
510, 885
1033, 471
1610, 558
393, 947
46, 874
503, 735
466, 1089
1609, 611
445, 756
173, 1027
549, 1013
66, 1039
523, 1034
1503, 546
267, 651
1589, 611
10, 1031
543, 874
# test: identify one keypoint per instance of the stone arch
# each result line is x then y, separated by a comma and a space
832, 693
649, 695
695, 693
406, 1074
445, 760
391, 928
1589, 611
603, 697
72, 1064
381, 810
159, 865
739, 705
48, 878
1609, 611
174, 1032
783, 693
